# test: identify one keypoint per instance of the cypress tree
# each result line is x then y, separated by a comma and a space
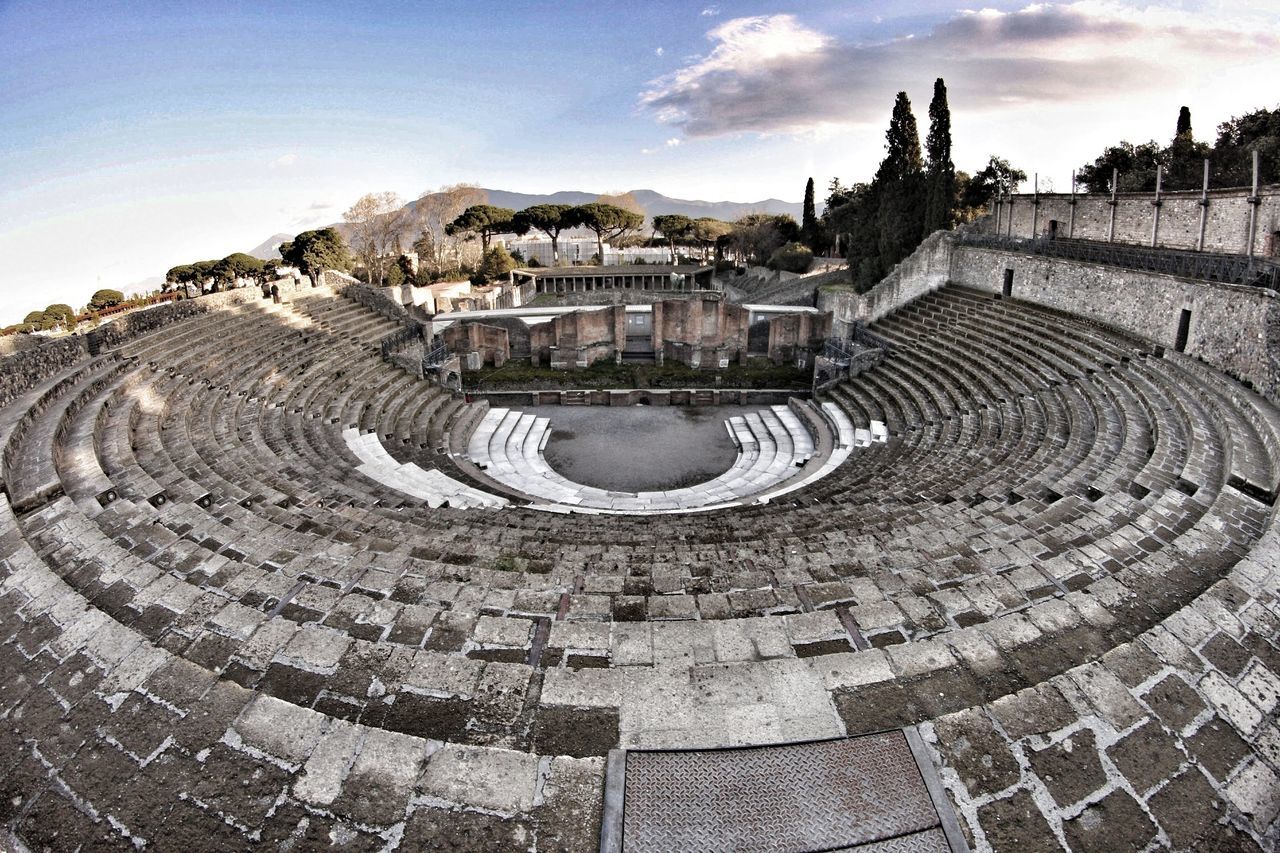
809, 220
899, 189
1184, 122
940, 195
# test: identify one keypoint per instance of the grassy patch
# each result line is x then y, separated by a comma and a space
507, 563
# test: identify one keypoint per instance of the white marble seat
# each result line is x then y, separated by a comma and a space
432, 486
774, 449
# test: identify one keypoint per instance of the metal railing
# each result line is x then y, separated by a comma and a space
436, 354
838, 351
864, 337
410, 331
1206, 266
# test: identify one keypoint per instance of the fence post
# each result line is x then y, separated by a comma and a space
1254, 201
1115, 182
1155, 204
1204, 206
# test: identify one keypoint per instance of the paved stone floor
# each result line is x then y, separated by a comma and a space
639, 448
216, 633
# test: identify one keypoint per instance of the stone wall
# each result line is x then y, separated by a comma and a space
580, 338
797, 290
24, 370
924, 270
797, 337
518, 335
130, 326
619, 297
490, 342
1226, 226
9, 344
700, 332
1236, 329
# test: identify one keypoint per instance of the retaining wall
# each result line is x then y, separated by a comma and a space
1226, 226
24, 370
924, 270
640, 397
1234, 328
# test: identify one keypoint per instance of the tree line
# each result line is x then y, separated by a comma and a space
914, 192
212, 276
60, 316
446, 222
1182, 160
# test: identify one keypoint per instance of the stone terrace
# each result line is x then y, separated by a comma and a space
216, 634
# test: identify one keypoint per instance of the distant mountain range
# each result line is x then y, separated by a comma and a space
654, 204
269, 249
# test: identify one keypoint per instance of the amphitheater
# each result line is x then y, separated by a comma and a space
1011, 589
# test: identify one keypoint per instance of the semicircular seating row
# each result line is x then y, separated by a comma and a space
196, 581
774, 445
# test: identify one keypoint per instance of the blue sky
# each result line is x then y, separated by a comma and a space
135, 136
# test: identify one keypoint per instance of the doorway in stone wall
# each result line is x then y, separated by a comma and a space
1184, 330
1053, 229
1007, 290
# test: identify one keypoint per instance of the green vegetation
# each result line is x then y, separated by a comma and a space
312, 252
1230, 157
673, 227
60, 316
105, 298
497, 262
210, 276
483, 220
883, 221
550, 219
791, 257
606, 221
940, 174
508, 563
810, 232
519, 374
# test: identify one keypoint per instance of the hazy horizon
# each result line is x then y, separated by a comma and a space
138, 136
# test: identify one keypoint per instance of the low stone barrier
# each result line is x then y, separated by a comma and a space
24, 370
641, 397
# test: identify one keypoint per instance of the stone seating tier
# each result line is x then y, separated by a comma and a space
1041, 541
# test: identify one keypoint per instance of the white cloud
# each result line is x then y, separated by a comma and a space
658, 52
773, 74
284, 161
710, 11
673, 142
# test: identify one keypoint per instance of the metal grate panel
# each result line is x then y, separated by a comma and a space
863, 793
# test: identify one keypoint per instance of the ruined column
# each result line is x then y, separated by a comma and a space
1155, 204
1035, 207
1204, 207
1254, 201
1071, 222
1115, 182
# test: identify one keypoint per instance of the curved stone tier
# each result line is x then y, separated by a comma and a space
774, 448
242, 603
